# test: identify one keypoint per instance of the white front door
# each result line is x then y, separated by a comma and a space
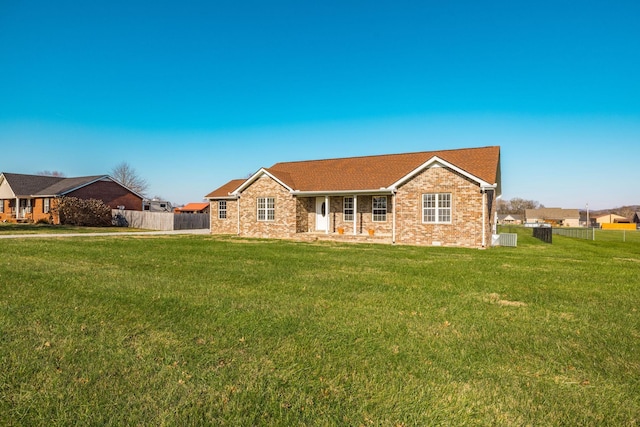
322, 214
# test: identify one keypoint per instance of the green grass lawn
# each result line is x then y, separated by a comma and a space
27, 228
190, 330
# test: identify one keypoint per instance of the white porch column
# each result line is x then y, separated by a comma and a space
355, 214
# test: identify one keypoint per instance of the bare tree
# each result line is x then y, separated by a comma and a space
517, 205
625, 211
127, 176
51, 173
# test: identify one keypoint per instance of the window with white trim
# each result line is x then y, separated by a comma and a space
266, 208
348, 209
1, 205
379, 208
436, 208
46, 205
222, 209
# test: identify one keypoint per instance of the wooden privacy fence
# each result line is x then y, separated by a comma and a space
165, 221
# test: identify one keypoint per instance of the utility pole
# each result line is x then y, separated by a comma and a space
587, 224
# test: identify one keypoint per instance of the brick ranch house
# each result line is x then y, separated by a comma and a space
434, 198
31, 198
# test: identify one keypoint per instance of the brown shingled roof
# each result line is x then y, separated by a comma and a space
222, 192
374, 172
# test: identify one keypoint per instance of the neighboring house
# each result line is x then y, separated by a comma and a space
33, 197
554, 216
192, 208
509, 219
636, 218
427, 198
611, 218
156, 205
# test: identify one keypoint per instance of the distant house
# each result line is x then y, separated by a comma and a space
636, 218
509, 219
611, 218
434, 198
553, 216
587, 221
34, 197
191, 208
156, 205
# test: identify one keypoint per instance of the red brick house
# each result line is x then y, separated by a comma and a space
33, 197
435, 198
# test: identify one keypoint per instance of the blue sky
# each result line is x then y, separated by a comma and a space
192, 94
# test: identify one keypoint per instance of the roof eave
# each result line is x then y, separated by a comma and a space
230, 197
382, 190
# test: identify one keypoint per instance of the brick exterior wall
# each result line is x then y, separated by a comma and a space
305, 217
297, 215
228, 225
465, 228
37, 210
286, 208
111, 193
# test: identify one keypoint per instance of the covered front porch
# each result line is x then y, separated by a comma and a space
347, 217
17, 210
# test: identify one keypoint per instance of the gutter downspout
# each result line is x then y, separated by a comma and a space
238, 206
484, 208
393, 217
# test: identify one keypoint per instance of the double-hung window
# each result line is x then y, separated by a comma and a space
222, 209
348, 209
1, 205
436, 208
379, 209
266, 209
46, 205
